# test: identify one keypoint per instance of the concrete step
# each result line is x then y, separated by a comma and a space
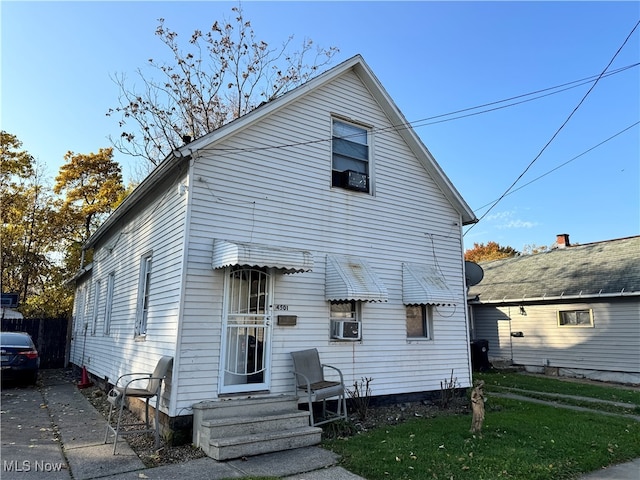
249, 406
259, 443
231, 427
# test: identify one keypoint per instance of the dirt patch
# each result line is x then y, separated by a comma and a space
143, 444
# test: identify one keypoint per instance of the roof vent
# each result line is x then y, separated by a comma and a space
562, 240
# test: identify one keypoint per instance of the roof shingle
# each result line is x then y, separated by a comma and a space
609, 267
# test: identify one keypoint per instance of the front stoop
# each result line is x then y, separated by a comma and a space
243, 427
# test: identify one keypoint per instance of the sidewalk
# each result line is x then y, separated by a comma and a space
53, 432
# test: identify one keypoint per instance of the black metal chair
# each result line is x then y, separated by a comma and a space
129, 385
310, 379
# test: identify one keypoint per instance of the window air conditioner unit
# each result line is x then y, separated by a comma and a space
345, 330
357, 181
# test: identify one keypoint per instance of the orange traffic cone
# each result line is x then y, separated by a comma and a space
84, 381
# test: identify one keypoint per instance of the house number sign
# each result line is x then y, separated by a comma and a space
281, 308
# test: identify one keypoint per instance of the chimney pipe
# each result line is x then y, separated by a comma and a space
562, 240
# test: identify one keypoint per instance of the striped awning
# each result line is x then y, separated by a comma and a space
425, 285
351, 278
227, 253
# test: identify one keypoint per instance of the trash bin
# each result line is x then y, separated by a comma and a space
480, 355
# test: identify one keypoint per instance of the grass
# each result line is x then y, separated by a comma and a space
556, 385
521, 440
627, 400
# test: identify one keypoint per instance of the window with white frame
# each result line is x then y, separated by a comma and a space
96, 303
346, 310
575, 318
419, 322
350, 149
80, 313
143, 295
345, 320
108, 304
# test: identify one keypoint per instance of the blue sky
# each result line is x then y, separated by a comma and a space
432, 57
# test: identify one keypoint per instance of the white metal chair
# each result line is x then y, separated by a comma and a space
310, 379
131, 385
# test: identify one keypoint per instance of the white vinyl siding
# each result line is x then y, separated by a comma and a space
282, 197
158, 226
299, 210
612, 344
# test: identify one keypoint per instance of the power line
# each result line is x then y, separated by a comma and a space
556, 132
574, 84
420, 123
565, 163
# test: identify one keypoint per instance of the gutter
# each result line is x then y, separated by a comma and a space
174, 160
477, 301
86, 269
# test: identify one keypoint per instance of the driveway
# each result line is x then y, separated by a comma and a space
30, 448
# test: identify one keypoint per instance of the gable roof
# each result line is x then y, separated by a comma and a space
362, 70
603, 269
396, 118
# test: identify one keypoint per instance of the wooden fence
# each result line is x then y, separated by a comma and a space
49, 334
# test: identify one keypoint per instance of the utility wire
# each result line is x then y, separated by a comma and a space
574, 84
565, 163
557, 131
421, 122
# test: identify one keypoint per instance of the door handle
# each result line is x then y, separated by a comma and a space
517, 334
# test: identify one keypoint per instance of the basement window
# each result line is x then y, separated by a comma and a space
575, 318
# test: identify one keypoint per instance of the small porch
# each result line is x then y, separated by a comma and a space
246, 426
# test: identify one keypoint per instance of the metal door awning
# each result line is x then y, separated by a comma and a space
425, 285
227, 253
351, 278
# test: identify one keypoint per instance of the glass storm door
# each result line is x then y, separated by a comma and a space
245, 361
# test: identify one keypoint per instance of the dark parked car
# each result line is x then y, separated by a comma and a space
20, 359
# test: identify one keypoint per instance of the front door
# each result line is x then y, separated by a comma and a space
246, 328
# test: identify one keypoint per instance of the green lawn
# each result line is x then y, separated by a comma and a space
557, 385
521, 441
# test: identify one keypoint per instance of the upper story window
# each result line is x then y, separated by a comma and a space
350, 150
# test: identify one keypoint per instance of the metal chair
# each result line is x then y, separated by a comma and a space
128, 386
310, 379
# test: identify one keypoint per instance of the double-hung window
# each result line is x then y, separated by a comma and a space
108, 306
143, 295
96, 303
350, 156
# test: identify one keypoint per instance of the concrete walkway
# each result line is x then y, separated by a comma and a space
53, 432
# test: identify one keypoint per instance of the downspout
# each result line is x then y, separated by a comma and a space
467, 312
190, 158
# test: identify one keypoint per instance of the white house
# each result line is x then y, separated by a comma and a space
317, 220
573, 311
